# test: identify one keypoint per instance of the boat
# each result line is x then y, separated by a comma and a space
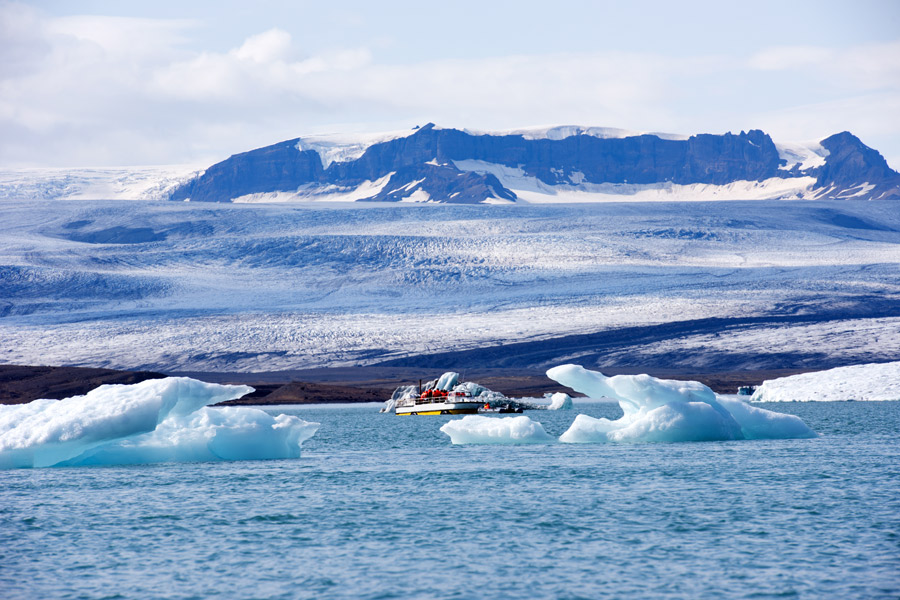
438, 402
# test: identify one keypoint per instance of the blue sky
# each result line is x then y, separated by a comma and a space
117, 83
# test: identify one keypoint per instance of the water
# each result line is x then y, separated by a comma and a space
381, 506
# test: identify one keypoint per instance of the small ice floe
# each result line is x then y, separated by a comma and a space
868, 382
476, 429
158, 420
560, 401
659, 410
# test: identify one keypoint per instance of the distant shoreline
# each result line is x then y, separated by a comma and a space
20, 384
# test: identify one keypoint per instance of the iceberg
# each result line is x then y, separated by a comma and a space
867, 382
447, 381
660, 410
476, 429
560, 401
403, 392
158, 420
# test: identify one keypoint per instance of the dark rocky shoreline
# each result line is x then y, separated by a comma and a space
20, 384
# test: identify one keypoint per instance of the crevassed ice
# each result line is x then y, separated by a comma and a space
476, 429
659, 410
153, 421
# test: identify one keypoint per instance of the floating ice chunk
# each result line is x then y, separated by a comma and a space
210, 434
447, 381
879, 381
659, 410
560, 401
401, 393
471, 388
159, 419
476, 429
761, 424
676, 422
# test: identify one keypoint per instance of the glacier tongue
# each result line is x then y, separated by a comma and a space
152, 421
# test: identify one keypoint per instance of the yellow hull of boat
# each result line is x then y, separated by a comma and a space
461, 411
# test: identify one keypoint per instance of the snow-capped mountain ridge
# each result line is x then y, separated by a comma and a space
546, 164
428, 163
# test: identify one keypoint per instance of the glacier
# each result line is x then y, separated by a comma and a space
158, 420
208, 287
659, 410
866, 382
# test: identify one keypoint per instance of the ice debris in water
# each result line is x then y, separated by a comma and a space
560, 401
868, 382
659, 410
475, 429
153, 421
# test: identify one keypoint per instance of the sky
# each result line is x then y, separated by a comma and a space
110, 83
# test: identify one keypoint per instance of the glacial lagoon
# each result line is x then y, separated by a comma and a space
379, 506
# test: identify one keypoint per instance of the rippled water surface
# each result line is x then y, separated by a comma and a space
381, 506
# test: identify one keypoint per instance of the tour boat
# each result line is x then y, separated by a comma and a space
438, 402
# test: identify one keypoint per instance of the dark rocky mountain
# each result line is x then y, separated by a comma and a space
449, 165
851, 165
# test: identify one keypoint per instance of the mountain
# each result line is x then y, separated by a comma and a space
558, 164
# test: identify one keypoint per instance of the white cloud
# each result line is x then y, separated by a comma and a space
103, 90
789, 57
123, 37
269, 46
262, 68
869, 66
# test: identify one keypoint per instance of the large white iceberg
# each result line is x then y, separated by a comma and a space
153, 421
476, 429
659, 410
879, 381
